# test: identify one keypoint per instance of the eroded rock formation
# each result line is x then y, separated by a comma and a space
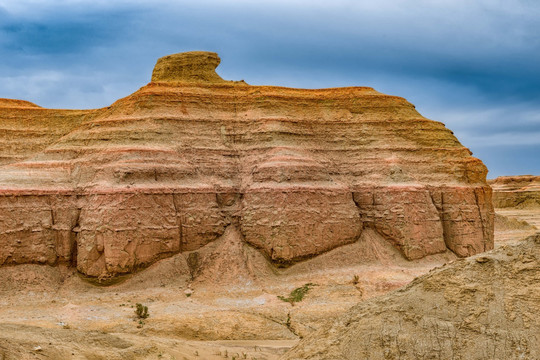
516, 191
483, 307
170, 167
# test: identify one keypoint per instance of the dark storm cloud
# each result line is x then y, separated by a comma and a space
475, 65
56, 38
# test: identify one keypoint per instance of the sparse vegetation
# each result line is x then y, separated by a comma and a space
356, 279
288, 321
297, 294
141, 311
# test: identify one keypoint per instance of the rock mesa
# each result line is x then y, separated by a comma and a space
516, 191
167, 169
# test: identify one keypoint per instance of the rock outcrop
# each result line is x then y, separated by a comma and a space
516, 191
170, 167
483, 307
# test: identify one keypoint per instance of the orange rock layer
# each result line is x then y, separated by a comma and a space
168, 168
516, 191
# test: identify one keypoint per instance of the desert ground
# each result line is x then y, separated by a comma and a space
53, 313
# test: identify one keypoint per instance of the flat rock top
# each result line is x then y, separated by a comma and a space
516, 183
193, 66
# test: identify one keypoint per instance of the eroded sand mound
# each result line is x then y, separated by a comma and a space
504, 223
483, 307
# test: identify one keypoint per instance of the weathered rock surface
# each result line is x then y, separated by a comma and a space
170, 167
516, 191
483, 307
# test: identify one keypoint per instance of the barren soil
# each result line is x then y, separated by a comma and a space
228, 308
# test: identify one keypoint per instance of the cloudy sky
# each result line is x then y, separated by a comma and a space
472, 64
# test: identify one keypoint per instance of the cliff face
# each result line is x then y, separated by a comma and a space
170, 167
516, 191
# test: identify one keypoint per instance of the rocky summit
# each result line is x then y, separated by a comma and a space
294, 172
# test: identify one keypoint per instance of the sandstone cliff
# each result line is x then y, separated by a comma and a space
484, 307
516, 191
167, 169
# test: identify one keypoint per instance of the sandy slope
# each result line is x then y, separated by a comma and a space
483, 307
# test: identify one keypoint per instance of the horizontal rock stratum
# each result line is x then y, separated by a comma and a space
521, 191
167, 169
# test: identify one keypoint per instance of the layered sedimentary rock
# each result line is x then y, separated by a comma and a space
27, 129
170, 167
484, 307
516, 191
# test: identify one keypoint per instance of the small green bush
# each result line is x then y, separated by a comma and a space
141, 311
297, 294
